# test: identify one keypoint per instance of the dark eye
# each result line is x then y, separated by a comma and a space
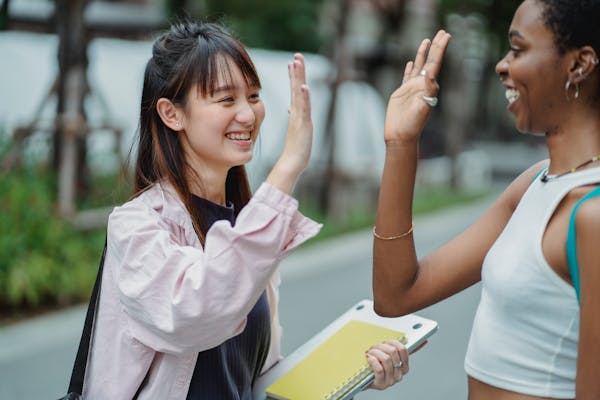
515, 50
226, 100
255, 96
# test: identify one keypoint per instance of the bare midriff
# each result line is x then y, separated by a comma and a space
482, 391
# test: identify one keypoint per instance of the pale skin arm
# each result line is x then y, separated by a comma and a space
402, 283
297, 148
588, 359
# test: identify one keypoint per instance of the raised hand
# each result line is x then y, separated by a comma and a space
410, 104
298, 142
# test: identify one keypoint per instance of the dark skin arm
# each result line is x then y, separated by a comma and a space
402, 283
588, 359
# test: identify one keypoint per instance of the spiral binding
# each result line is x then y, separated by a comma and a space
358, 377
364, 372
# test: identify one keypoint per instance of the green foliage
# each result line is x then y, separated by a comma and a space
43, 260
498, 14
436, 198
272, 24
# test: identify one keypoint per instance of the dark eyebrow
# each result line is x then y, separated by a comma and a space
229, 88
516, 34
225, 88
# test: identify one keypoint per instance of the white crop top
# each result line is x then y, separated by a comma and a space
526, 329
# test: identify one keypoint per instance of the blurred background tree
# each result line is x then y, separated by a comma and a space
364, 40
4, 14
497, 13
270, 24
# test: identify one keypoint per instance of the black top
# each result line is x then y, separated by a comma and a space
229, 370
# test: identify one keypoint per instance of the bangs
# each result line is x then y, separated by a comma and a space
214, 62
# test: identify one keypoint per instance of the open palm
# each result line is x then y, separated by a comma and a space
407, 112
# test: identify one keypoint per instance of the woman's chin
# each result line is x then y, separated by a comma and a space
524, 126
527, 129
244, 160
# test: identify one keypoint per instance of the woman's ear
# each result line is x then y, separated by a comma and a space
170, 115
584, 63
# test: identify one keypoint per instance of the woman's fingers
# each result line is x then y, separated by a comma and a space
301, 71
389, 361
436, 54
431, 86
293, 84
411, 103
420, 57
300, 99
378, 371
299, 135
298, 143
429, 57
407, 71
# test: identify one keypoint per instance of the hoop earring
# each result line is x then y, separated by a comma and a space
568, 87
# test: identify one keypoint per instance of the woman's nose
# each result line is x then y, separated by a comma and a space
502, 68
246, 114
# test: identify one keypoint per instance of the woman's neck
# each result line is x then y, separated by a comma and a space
574, 141
208, 185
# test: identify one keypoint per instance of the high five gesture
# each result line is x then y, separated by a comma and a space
410, 104
298, 142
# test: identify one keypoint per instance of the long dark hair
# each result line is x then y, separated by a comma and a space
189, 54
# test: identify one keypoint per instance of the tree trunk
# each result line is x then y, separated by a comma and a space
341, 60
4, 15
69, 151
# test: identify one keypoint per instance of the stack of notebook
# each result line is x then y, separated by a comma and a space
332, 365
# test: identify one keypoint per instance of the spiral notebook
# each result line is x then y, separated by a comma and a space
332, 365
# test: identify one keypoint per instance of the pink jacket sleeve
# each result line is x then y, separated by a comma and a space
181, 298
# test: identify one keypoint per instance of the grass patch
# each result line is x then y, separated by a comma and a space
434, 199
426, 201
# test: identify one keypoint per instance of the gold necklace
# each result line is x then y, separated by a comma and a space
546, 178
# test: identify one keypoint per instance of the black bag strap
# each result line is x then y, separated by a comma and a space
78, 374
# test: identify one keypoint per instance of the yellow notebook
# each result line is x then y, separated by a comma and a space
336, 366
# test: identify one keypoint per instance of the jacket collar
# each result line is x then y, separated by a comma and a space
163, 198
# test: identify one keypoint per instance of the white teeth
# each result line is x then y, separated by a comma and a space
239, 136
512, 95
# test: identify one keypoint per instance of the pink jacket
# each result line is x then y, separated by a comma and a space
164, 298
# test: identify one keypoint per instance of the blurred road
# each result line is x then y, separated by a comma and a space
320, 282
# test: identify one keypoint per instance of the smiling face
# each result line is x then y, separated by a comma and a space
533, 72
219, 129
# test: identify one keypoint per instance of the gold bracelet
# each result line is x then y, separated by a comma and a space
408, 232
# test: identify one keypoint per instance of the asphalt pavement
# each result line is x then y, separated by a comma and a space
319, 282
